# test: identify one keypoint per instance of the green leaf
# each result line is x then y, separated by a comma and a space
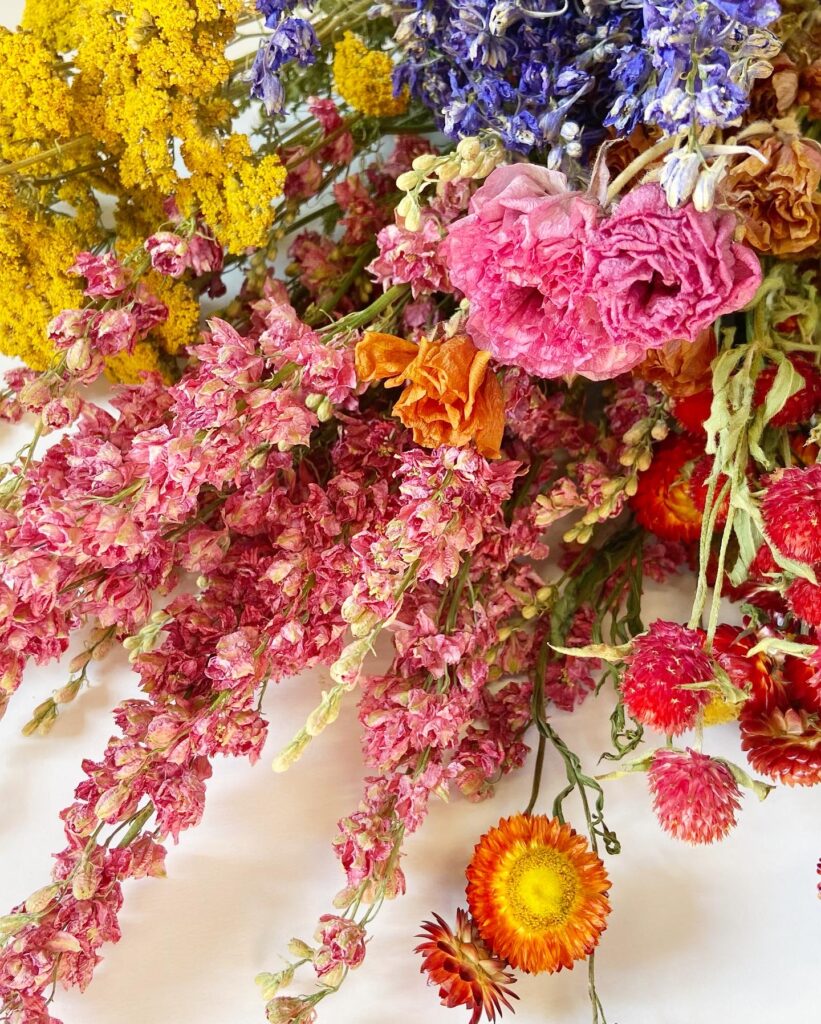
606, 652
778, 645
761, 789
787, 382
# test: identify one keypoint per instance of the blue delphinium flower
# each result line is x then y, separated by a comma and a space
517, 67
502, 65
293, 39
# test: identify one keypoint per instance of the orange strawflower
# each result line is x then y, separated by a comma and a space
664, 501
537, 893
466, 971
451, 394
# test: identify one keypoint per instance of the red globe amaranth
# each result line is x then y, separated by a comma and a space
799, 407
666, 656
663, 502
792, 513
804, 600
694, 796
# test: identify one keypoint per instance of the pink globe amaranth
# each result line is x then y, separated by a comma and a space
666, 656
659, 273
694, 796
791, 508
519, 259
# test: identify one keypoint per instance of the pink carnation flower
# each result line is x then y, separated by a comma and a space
519, 258
659, 273
695, 797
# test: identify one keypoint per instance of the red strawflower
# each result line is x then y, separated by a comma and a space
791, 508
694, 796
731, 649
799, 407
662, 502
804, 600
666, 656
465, 969
782, 737
692, 411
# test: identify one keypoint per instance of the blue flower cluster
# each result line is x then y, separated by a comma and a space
552, 75
537, 72
293, 39
696, 64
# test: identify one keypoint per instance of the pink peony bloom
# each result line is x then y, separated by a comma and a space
659, 273
695, 797
519, 258
556, 289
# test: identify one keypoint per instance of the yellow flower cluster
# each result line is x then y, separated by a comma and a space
128, 367
35, 250
232, 188
362, 78
144, 69
35, 102
56, 23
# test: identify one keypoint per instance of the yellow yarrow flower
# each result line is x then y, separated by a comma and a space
128, 367
56, 23
363, 78
233, 189
35, 102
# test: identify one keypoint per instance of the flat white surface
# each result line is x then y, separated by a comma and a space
718, 935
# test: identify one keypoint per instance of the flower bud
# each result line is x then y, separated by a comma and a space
423, 163
469, 148
407, 180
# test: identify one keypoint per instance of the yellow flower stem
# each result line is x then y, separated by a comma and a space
636, 166
46, 154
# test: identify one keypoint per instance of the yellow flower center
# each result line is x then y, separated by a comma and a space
541, 888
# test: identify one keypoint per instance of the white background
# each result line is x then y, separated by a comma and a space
728, 933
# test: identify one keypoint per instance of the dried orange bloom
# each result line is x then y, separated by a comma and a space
537, 893
451, 395
681, 368
779, 200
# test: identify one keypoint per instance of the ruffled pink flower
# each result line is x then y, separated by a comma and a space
694, 796
411, 257
105, 276
663, 658
342, 944
168, 252
519, 259
659, 273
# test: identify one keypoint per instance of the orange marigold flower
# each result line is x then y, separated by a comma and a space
537, 893
451, 394
663, 502
466, 971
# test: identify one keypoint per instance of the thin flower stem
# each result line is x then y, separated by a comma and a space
632, 169
45, 154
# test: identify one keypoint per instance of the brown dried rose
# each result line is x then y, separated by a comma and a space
774, 96
779, 201
451, 395
809, 90
681, 368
